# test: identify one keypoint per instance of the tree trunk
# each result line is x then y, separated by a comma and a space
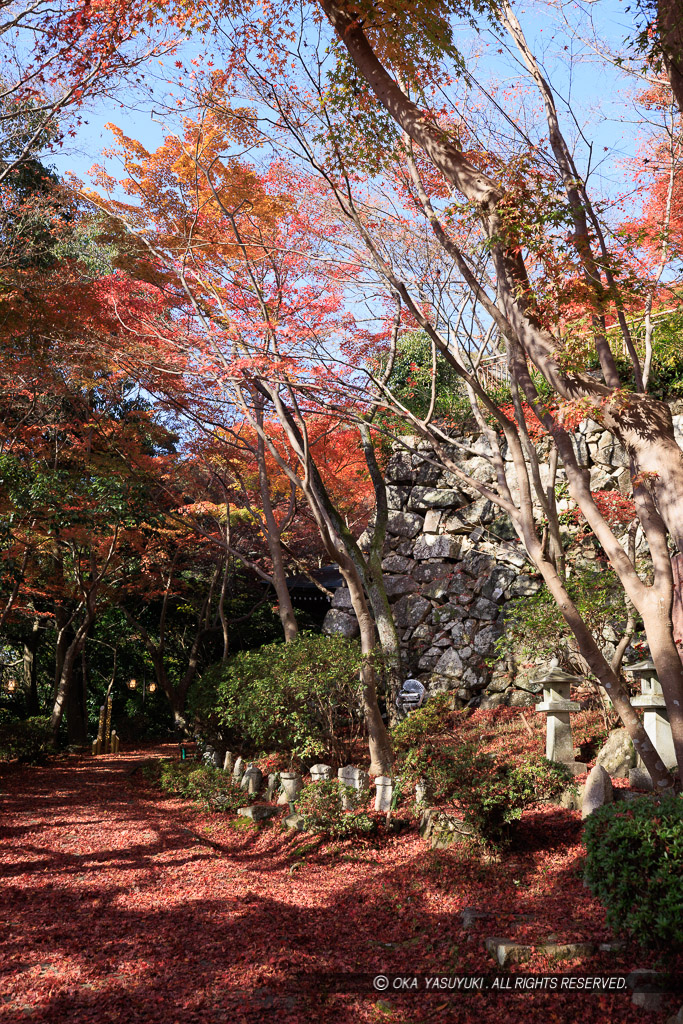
31, 668
66, 676
272, 531
670, 27
381, 758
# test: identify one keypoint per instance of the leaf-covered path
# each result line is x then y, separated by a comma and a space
117, 904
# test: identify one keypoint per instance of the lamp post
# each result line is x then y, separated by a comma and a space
655, 718
557, 706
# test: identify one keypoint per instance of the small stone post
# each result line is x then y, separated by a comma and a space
107, 728
227, 762
354, 777
237, 771
321, 773
273, 783
384, 790
252, 780
655, 720
557, 706
292, 784
99, 742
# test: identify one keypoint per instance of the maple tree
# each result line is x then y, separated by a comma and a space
256, 332
527, 241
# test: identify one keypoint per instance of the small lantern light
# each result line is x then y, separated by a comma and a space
152, 687
132, 684
11, 685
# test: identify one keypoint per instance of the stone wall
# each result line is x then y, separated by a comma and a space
452, 562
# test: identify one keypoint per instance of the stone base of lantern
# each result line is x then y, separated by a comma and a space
575, 767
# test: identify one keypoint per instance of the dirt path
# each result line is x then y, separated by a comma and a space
117, 904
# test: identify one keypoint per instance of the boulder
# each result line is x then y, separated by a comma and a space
257, 812
405, 524
338, 622
423, 498
436, 545
410, 610
598, 791
449, 664
397, 586
617, 754
342, 598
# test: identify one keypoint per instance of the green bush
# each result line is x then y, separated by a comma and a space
25, 739
302, 697
321, 806
634, 867
429, 720
490, 793
211, 787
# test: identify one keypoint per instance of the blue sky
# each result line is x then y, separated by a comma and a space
599, 92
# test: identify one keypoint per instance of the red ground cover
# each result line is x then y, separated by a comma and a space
120, 904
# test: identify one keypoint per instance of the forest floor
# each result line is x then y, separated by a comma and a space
120, 904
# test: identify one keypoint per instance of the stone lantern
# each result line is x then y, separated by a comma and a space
655, 718
557, 706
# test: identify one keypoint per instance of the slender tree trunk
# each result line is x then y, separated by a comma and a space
381, 757
670, 27
66, 676
31, 668
284, 600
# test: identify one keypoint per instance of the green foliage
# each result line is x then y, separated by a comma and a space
301, 697
428, 720
194, 781
411, 380
321, 805
534, 626
27, 739
490, 793
637, 849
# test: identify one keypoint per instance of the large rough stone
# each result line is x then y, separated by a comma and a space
485, 639
397, 586
436, 545
410, 610
257, 812
405, 524
397, 563
396, 498
400, 469
342, 598
617, 754
428, 474
338, 622
477, 563
427, 572
484, 609
423, 498
449, 664
598, 791
525, 586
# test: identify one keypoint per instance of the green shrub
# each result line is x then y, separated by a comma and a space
25, 739
429, 720
321, 805
211, 787
634, 867
490, 793
302, 697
